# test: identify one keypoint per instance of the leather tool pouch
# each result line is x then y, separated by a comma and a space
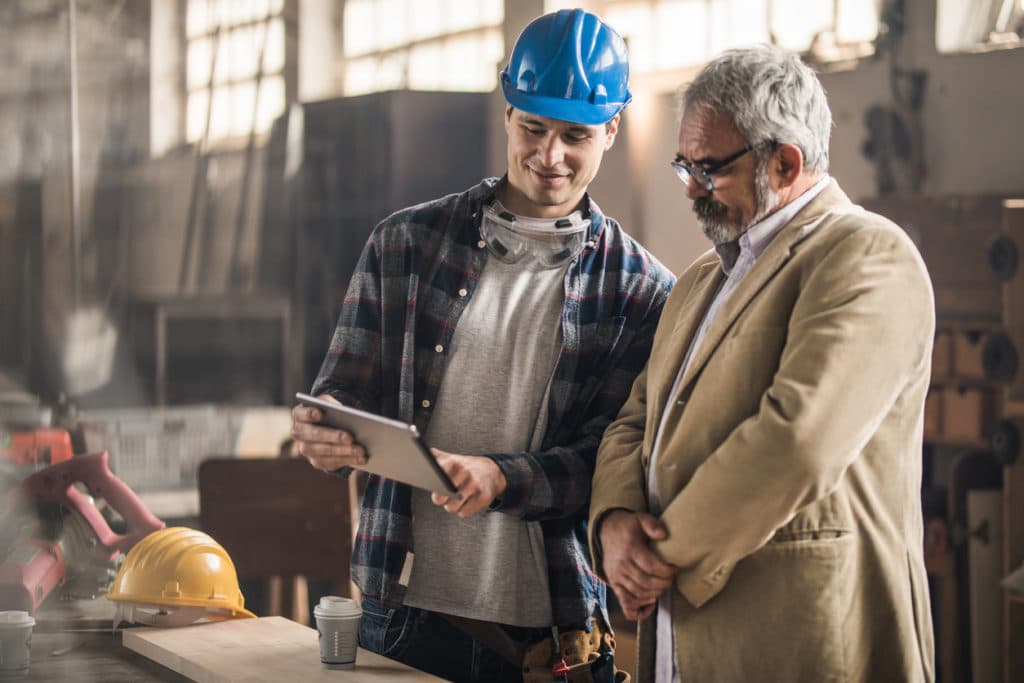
588, 656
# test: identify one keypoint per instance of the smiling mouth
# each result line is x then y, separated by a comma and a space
547, 177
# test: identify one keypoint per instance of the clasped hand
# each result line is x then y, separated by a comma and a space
636, 574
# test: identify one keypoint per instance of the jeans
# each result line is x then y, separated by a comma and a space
429, 642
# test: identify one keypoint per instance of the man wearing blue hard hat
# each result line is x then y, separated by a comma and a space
507, 323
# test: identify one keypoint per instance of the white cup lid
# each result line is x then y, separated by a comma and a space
335, 606
15, 619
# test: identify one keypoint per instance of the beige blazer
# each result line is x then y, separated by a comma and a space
791, 461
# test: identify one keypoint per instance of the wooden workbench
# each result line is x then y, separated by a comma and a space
74, 641
264, 650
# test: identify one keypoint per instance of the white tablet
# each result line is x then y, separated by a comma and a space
396, 449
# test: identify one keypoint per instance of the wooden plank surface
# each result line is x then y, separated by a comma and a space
270, 649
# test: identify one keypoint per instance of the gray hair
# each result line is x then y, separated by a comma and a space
770, 95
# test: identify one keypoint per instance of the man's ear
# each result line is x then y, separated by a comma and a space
788, 164
612, 128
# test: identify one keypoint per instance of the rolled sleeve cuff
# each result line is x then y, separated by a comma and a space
518, 478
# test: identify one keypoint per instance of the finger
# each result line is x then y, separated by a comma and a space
322, 449
456, 505
474, 505
641, 590
652, 527
651, 565
329, 464
637, 606
643, 584
301, 413
438, 499
331, 457
662, 575
311, 431
625, 595
461, 477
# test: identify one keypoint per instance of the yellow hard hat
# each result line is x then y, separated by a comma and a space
180, 567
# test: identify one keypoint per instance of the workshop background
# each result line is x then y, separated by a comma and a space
185, 186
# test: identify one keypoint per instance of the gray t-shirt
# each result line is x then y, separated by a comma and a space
493, 399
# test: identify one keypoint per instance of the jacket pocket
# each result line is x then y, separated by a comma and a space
783, 612
805, 579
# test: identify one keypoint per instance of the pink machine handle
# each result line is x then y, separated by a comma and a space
55, 484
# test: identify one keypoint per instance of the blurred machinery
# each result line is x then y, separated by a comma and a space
37, 447
53, 535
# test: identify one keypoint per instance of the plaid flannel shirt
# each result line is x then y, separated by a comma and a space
414, 279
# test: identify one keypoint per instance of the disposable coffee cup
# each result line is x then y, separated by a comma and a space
15, 640
337, 623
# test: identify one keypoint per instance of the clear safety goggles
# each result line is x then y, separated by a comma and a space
538, 242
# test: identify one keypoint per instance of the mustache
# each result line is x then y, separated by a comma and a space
708, 208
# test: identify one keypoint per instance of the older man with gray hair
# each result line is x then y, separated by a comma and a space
758, 494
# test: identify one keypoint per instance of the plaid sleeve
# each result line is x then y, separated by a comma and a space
352, 363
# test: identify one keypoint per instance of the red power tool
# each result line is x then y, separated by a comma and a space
43, 446
62, 535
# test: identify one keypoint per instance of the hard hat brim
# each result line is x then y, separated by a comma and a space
573, 111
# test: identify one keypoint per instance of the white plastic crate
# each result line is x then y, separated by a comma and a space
154, 449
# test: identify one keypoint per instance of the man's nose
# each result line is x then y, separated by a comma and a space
695, 189
552, 151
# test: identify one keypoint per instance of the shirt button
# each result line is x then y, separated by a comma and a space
439, 348
425, 403
481, 244
463, 292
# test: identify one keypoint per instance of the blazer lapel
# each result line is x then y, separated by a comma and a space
705, 285
768, 263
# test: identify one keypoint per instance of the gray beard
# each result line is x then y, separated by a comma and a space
711, 214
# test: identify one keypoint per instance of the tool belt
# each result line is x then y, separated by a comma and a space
577, 657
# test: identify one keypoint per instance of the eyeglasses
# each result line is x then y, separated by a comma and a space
703, 175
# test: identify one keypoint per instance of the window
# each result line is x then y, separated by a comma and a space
978, 25
670, 34
422, 45
226, 41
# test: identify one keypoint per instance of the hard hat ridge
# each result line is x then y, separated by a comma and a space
568, 65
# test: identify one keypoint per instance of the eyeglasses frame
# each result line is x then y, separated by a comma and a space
703, 175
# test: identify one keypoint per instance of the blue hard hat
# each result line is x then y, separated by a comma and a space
568, 65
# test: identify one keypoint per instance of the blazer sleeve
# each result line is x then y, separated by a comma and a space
619, 473
860, 330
